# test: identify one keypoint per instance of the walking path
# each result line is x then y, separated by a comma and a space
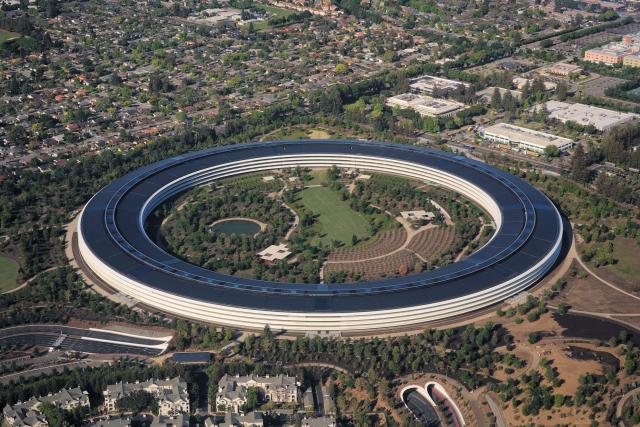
623, 401
31, 279
463, 253
495, 409
603, 281
410, 233
296, 221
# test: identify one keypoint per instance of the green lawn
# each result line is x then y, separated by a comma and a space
337, 221
279, 12
276, 12
626, 251
8, 273
7, 35
318, 177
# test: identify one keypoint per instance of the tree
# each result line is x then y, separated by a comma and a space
496, 100
252, 399
331, 101
534, 338
51, 9
341, 68
630, 365
561, 91
136, 402
563, 308
53, 415
579, 171
333, 173
551, 151
509, 103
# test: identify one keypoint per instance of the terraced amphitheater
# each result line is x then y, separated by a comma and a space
431, 242
384, 243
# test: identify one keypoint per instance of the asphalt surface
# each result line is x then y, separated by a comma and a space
48, 370
421, 409
81, 340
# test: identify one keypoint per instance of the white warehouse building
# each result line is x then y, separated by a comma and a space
586, 115
425, 105
523, 138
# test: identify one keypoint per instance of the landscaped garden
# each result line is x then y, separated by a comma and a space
335, 225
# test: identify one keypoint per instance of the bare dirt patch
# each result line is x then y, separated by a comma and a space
589, 294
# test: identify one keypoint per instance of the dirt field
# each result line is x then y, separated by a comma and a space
555, 349
589, 294
596, 87
626, 272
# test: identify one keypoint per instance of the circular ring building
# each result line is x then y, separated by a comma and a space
114, 245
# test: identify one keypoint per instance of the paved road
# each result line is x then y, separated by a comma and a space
47, 370
421, 409
31, 279
82, 340
536, 163
495, 408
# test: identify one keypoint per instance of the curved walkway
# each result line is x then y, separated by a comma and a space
296, 221
495, 409
31, 279
623, 401
603, 281
321, 365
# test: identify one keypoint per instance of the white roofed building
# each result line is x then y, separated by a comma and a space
430, 84
587, 115
523, 138
426, 105
275, 253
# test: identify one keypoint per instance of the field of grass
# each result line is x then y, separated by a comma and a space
318, 177
275, 12
318, 134
8, 273
7, 35
626, 251
337, 221
279, 12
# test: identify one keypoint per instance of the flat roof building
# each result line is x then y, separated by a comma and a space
425, 105
417, 215
561, 69
521, 82
275, 253
485, 95
615, 52
430, 84
523, 138
327, 421
631, 61
587, 115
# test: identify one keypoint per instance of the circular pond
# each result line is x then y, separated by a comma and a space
237, 226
